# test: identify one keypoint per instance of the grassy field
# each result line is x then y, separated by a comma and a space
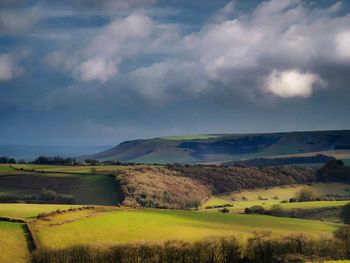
88, 169
13, 246
275, 195
125, 226
238, 207
26, 211
86, 188
190, 137
5, 169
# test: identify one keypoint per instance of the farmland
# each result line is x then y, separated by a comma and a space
267, 197
27, 211
13, 245
150, 225
108, 226
80, 169
179, 187
86, 188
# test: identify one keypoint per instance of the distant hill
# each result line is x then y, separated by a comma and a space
228, 147
289, 160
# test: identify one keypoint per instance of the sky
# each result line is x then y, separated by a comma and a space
98, 72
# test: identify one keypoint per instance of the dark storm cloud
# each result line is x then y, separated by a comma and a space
98, 72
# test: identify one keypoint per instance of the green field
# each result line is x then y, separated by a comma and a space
84, 169
13, 245
124, 226
275, 195
190, 137
86, 188
200, 148
5, 169
26, 211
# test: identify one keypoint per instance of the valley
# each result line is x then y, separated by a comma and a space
191, 201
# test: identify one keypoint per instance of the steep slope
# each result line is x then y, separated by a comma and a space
225, 147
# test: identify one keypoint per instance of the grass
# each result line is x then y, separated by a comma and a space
149, 225
13, 246
282, 193
5, 169
86, 188
84, 169
25, 211
190, 137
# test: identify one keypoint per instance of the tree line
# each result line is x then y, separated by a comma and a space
262, 247
223, 179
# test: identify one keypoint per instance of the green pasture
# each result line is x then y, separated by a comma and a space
26, 211
5, 169
275, 195
238, 207
190, 137
149, 225
13, 245
86, 188
84, 169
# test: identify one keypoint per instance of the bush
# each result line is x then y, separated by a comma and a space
52, 196
261, 248
276, 208
47, 195
305, 195
292, 200
256, 209
345, 213
224, 210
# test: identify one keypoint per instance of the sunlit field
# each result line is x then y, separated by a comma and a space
13, 245
124, 226
267, 197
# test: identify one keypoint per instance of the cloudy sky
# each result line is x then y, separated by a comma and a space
98, 72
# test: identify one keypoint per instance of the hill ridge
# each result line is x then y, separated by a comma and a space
224, 147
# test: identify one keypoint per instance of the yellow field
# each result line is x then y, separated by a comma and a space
275, 195
25, 211
150, 225
13, 246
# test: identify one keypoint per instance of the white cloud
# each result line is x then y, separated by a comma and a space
96, 69
122, 39
7, 67
342, 42
292, 83
232, 53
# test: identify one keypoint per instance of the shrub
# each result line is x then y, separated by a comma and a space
276, 208
261, 248
47, 195
256, 209
305, 195
292, 200
345, 213
224, 210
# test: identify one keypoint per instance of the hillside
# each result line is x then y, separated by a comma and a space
228, 147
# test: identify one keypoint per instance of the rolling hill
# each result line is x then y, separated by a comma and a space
228, 147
